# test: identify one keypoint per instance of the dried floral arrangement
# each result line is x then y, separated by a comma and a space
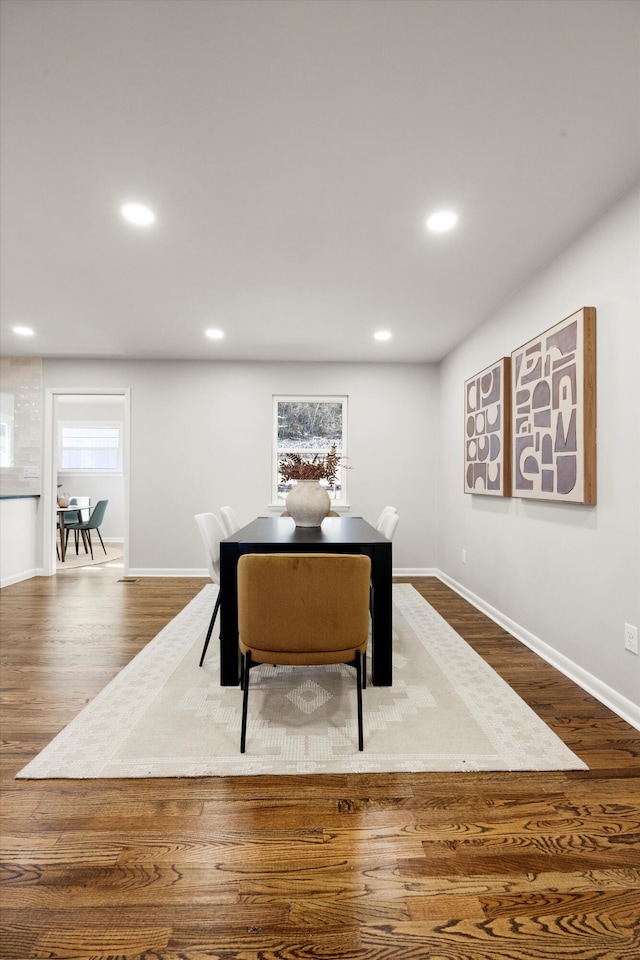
293, 467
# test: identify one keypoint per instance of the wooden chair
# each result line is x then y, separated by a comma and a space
303, 609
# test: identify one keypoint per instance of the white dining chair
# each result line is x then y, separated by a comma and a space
211, 532
388, 525
230, 522
385, 511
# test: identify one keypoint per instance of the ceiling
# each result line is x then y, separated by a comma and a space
291, 150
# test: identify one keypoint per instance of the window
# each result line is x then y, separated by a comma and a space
309, 427
90, 447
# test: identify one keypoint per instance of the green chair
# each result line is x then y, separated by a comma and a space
85, 527
81, 515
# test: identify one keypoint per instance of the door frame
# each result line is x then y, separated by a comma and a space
49, 469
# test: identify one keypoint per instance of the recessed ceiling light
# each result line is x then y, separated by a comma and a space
382, 335
442, 221
23, 331
137, 214
215, 334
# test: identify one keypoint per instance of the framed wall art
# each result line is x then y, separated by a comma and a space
487, 409
554, 412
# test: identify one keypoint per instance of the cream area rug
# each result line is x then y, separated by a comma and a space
115, 552
163, 716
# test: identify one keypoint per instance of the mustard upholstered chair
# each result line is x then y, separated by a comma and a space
211, 533
302, 609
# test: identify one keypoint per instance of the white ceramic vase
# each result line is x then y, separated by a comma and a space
308, 503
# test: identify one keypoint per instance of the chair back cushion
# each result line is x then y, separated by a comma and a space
388, 525
303, 608
97, 514
385, 510
230, 522
211, 533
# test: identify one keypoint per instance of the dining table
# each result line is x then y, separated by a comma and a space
281, 535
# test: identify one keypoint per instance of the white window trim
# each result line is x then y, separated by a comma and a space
340, 504
92, 471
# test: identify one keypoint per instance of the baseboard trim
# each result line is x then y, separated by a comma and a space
620, 705
167, 572
19, 577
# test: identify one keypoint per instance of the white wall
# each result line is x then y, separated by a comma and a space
19, 539
201, 435
568, 575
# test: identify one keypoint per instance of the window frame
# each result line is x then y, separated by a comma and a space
116, 471
337, 501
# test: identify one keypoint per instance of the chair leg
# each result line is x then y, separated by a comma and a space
245, 700
359, 688
101, 541
87, 539
210, 630
364, 670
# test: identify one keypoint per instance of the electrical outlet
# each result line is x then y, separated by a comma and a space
464, 556
31, 472
631, 638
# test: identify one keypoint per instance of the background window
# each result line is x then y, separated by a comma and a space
90, 447
310, 426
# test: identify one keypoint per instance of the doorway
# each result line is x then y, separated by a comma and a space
86, 456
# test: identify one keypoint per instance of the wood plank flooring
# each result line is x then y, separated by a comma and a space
487, 866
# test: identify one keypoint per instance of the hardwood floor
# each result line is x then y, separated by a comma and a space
492, 866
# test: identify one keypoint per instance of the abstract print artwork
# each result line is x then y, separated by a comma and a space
554, 412
487, 458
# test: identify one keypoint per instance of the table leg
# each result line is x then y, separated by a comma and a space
229, 651
63, 550
381, 616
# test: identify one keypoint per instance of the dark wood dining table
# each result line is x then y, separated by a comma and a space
335, 535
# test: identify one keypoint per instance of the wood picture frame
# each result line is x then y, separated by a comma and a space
487, 425
553, 392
